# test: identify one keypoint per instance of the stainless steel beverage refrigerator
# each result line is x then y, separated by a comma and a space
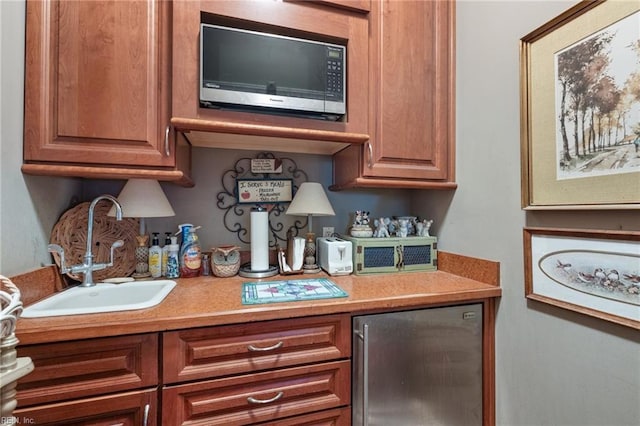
418, 368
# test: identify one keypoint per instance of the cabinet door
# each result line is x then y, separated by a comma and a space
411, 72
126, 409
97, 83
411, 87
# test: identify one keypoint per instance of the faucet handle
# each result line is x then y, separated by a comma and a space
115, 245
56, 248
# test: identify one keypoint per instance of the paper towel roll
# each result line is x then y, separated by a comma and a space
259, 240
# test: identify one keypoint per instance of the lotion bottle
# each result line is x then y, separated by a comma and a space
173, 259
165, 253
155, 257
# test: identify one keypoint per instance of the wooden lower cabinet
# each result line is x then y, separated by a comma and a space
255, 398
210, 352
104, 381
337, 417
83, 368
284, 372
137, 408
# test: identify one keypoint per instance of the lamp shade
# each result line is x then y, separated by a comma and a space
143, 198
310, 199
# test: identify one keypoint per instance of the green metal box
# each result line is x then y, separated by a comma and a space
394, 254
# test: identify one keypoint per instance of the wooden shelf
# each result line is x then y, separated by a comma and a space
361, 182
96, 172
233, 135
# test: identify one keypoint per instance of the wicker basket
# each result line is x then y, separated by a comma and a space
71, 234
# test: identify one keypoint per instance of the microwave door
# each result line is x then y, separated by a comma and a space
246, 68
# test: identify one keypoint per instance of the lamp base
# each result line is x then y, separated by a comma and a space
246, 272
310, 266
311, 269
140, 276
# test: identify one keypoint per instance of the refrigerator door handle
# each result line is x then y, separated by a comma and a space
364, 336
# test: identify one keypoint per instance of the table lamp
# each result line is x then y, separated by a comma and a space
310, 200
142, 198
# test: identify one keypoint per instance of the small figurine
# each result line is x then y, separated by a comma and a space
360, 227
362, 218
225, 261
403, 229
382, 227
422, 228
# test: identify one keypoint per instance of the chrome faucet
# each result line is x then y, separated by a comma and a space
87, 267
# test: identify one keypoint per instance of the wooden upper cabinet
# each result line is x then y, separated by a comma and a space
97, 84
412, 109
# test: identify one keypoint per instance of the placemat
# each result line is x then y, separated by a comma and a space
289, 290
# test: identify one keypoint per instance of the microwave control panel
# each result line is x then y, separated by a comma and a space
335, 75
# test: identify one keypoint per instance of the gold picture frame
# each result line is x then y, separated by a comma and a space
592, 272
562, 82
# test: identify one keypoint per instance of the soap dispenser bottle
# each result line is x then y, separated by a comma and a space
173, 259
155, 257
165, 253
190, 254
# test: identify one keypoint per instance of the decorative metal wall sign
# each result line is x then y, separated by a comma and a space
266, 169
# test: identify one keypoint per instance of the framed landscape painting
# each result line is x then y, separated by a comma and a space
592, 272
580, 109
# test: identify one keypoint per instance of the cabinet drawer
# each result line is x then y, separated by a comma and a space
221, 351
337, 417
259, 397
88, 367
125, 409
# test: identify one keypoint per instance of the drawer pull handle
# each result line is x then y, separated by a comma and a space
167, 150
370, 158
145, 418
268, 348
253, 400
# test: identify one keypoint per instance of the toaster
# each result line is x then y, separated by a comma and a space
335, 255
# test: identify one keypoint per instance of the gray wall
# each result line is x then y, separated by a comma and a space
553, 367
198, 205
29, 205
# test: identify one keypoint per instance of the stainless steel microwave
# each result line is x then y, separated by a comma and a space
255, 70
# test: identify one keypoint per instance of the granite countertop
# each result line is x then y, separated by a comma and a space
208, 301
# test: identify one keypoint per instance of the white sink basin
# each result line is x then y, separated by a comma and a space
102, 298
